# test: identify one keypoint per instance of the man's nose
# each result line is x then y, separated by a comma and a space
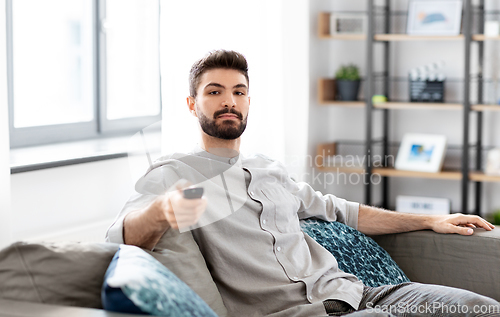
229, 101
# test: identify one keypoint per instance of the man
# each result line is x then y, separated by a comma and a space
260, 260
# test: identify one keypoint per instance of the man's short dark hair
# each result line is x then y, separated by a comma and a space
216, 59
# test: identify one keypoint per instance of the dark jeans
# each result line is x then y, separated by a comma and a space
415, 299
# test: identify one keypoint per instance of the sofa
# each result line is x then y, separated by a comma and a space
468, 262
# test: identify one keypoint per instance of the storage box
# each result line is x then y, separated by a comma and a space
426, 90
423, 205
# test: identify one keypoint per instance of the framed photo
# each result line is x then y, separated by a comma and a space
434, 17
341, 23
421, 153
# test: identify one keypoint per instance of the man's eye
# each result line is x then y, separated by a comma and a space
213, 93
240, 93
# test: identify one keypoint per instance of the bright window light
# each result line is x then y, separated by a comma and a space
132, 63
52, 62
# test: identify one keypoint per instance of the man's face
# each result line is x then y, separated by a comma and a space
222, 103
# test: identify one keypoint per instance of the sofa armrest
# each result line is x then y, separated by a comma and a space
12, 308
467, 262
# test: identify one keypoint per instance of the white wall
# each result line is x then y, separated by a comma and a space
5, 228
328, 124
76, 202
273, 36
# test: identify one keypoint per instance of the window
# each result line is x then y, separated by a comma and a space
81, 69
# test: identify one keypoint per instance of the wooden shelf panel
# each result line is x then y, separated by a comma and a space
406, 37
418, 105
326, 95
482, 37
324, 30
391, 172
485, 107
342, 169
481, 177
338, 103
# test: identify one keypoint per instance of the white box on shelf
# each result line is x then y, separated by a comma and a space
423, 205
341, 23
491, 28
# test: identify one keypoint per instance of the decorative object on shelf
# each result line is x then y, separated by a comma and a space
434, 17
493, 162
491, 28
379, 99
353, 24
427, 83
421, 153
347, 81
423, 205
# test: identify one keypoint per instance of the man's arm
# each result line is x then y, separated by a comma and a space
373, 221
145, 227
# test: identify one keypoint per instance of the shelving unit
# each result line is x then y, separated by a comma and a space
326, 97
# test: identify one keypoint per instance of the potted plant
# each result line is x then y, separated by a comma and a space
347, 82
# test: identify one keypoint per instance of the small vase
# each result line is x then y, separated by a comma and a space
348, 89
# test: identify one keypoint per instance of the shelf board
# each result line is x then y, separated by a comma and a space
324, 30
482, 37
481, 177
407, 37
418, 105
391, 172
343, 37
485, 107
338, 103
341, 169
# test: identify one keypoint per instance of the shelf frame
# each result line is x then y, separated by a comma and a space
464, 175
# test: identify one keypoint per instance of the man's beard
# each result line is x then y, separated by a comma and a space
226, 129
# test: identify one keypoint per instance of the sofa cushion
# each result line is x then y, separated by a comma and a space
355, 253
72, 274
137, 283
68, 274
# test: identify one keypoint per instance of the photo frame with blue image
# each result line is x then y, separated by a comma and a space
421, 153
434, 17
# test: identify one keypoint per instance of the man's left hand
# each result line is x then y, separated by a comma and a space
458, 223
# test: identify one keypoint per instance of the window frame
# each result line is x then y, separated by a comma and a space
100, 126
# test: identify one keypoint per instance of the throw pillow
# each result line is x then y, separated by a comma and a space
355, 253
137, 283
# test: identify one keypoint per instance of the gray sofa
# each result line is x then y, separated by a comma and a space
468, 262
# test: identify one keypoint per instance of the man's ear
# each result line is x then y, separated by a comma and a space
191, 105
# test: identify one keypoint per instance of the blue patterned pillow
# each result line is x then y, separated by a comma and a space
135, 282
356, 253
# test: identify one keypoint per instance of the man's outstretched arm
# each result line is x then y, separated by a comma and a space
145, 227
373, 221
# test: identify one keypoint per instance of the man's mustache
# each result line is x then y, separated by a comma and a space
228, 110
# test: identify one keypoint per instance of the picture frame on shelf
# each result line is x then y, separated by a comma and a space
421, 153
434, 17
352, 23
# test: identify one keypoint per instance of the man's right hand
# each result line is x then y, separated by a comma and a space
181, 212
145, 227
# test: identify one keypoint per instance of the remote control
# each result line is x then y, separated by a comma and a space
193, 193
